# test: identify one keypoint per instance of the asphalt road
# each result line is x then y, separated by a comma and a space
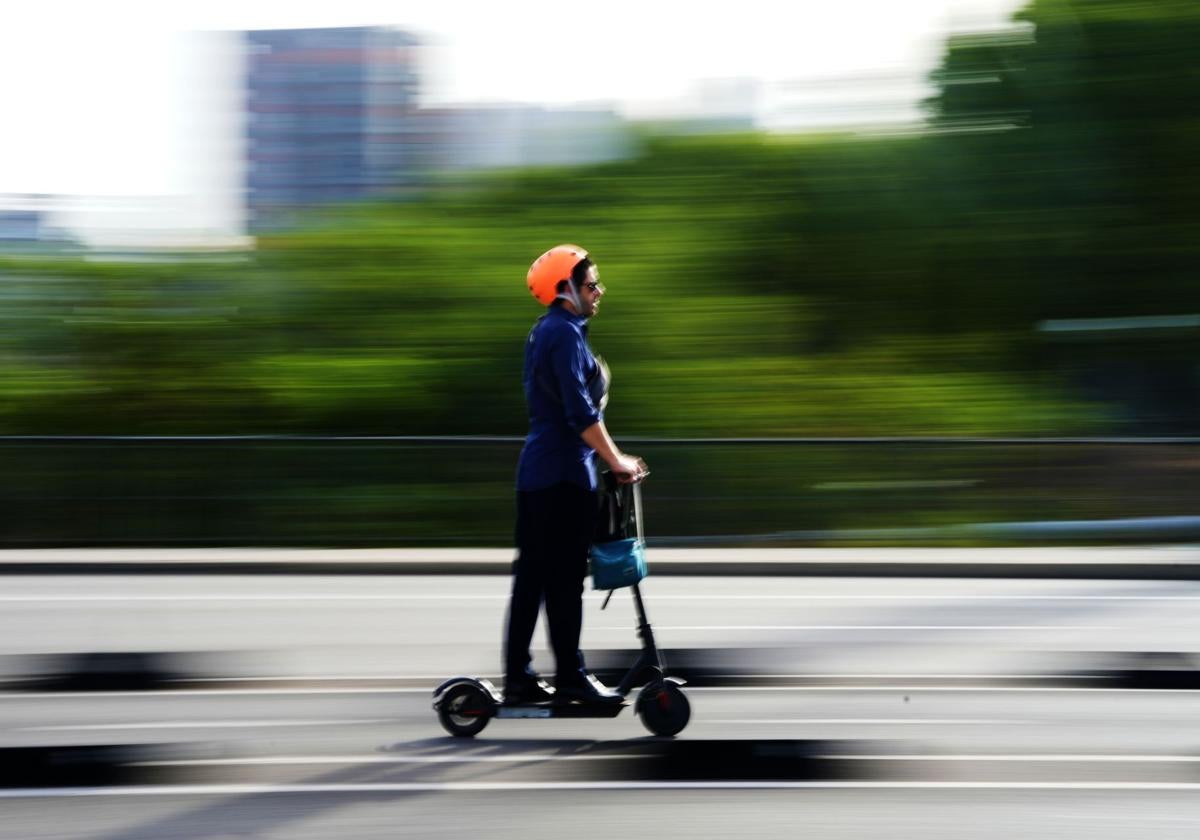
831, 708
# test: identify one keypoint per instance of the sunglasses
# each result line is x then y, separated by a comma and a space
593, 286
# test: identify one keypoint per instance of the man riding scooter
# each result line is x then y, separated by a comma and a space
566, 389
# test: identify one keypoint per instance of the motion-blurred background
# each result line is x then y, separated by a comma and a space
941, 219
907, 289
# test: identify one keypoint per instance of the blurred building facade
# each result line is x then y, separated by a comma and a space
33, 222
19, 225
328, 114
464, 138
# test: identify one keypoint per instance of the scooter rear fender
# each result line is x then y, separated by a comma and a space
479, 682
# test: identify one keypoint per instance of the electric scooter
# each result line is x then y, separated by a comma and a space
465, 705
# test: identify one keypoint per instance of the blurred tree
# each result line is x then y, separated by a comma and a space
760, 285
1088, 114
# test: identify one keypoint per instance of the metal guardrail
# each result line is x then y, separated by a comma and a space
381, 490
655, 441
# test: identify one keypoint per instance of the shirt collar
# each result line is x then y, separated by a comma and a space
560, 311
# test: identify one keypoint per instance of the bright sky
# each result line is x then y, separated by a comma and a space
108, 97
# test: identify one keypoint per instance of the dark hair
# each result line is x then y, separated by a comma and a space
579, 272
578, 275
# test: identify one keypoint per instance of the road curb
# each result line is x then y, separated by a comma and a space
1175, 562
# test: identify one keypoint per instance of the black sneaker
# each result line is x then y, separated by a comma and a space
584, 688
527, 689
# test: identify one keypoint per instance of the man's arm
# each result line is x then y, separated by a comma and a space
627, 467
568, 356
568, 365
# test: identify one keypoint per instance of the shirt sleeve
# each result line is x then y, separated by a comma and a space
568, 359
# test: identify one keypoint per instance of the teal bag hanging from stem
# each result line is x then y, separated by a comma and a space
619, 563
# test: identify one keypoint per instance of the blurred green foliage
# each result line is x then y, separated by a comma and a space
823, 285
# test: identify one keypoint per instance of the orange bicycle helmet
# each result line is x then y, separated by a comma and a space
550, 269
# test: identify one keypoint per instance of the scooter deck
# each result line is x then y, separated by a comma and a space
561, 710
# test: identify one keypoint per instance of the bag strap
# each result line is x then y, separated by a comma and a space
637, 510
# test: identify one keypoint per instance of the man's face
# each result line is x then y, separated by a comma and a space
590, 292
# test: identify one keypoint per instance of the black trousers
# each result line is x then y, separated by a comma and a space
554, 530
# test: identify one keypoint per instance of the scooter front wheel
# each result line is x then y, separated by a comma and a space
664, 708
465, 710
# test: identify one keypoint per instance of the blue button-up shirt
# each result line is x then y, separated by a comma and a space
563, 388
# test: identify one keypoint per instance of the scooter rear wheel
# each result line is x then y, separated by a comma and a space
465, 710
664, 708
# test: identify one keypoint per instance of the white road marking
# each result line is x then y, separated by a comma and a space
501, 597
1139, 820
243, 597
950, 596
518, 787
848, 688
868, 721
206, 724
1073, 758
981, 689
1035, 628
211, 692
806, 676
495, 679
